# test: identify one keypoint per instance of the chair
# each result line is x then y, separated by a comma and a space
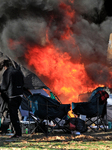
46, 108
94, 108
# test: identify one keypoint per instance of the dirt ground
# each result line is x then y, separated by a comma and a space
60, 136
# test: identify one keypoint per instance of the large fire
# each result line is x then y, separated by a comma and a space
65, 78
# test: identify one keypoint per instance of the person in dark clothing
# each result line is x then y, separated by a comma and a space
12, 85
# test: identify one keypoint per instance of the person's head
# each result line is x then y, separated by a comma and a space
5, 64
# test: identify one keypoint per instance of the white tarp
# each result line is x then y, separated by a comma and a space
109, 108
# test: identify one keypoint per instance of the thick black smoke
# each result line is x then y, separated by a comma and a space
25, 22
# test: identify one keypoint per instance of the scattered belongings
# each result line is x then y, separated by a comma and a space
72, 122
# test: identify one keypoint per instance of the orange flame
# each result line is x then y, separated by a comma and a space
66, 79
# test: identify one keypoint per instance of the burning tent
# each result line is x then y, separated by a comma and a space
64, 42
57, 40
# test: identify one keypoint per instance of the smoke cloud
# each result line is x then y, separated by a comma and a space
25, 23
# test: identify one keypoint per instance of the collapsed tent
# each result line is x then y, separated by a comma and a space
31, 81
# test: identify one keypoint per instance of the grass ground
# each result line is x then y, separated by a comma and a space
59, 141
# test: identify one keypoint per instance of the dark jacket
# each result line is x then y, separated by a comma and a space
12, 82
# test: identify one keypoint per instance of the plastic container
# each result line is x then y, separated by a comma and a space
109, 125
26, 130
